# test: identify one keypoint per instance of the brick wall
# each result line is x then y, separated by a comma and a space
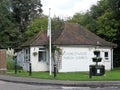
2, 61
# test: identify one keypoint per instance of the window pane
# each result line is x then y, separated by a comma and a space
42, 56
42, 49
106, 55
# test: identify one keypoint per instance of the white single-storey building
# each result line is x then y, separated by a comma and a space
76, 44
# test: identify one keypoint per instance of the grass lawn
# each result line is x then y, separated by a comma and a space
81, 76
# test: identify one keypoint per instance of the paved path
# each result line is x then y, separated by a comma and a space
58, 82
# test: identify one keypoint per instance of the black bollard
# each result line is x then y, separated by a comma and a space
15, 59
54, 70
90, 72
30, 69
15, 69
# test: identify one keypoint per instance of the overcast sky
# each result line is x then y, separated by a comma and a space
66, 8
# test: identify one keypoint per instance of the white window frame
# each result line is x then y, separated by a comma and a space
42, 50
106, 55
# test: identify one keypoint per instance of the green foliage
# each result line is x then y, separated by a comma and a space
10, 64
24, 11
107, 26
78, 18
15, 17
8, 30
56, 23
99, 9
37, 25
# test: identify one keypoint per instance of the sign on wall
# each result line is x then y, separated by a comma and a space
81, 55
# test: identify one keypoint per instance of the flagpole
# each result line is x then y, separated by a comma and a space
49, 33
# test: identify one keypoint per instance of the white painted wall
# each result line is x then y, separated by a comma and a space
20, 58
76, 59
36, 65
107, 63
22, 61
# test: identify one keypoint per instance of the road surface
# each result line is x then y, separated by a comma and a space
19, 86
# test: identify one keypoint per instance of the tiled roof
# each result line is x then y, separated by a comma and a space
68, 34
37, 40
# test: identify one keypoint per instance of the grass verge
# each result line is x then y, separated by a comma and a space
77, 76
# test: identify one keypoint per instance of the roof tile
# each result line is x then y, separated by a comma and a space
68, 34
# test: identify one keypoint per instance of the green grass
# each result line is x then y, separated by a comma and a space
81, 76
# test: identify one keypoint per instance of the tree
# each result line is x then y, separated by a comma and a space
99, 9
77, 18
25, 11
8, 30
107, 26
56, 23
38, 24
15, 17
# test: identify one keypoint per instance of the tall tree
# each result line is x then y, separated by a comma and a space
24, 11
107, 26
7, 26
56, 23
15, 17
38, 24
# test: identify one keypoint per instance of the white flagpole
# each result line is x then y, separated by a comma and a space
49, 35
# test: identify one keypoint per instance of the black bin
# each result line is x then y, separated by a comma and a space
97, 70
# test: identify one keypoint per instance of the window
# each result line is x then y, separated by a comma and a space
42, 49
106, 55
41, 56
27, 51
27, 55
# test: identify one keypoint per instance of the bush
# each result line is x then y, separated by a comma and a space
10, 64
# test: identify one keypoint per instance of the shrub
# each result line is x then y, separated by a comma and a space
10, 64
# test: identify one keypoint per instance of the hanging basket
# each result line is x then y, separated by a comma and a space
96, 52
96, 59
34, 53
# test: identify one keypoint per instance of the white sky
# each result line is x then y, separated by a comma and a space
66, 8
